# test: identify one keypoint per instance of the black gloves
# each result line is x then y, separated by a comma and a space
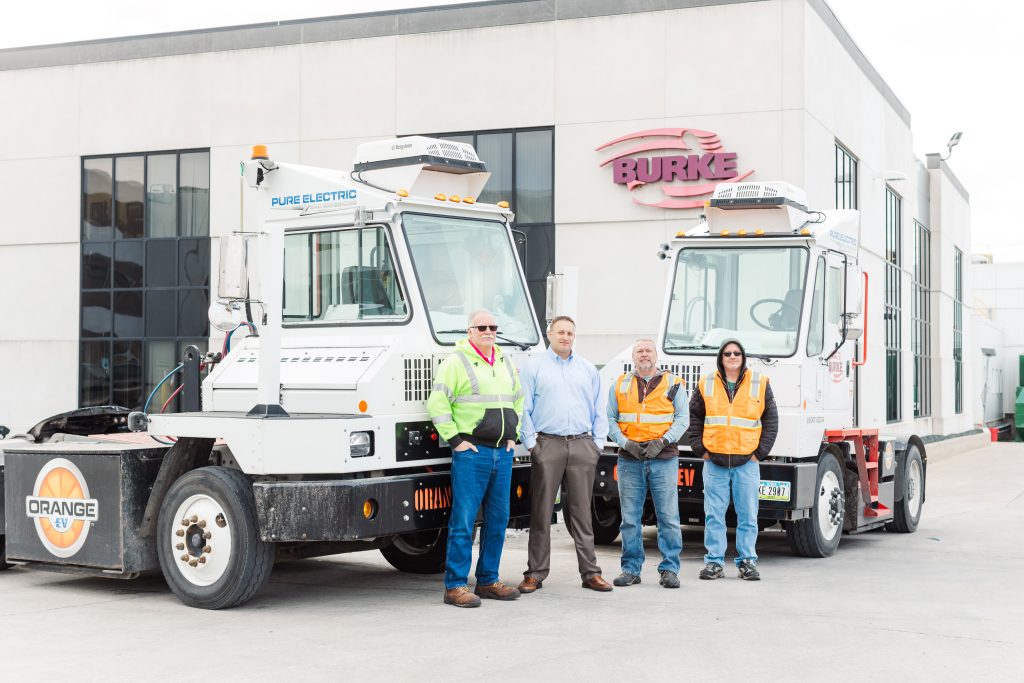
654, 447
635, 449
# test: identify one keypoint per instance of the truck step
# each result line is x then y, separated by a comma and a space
878, 510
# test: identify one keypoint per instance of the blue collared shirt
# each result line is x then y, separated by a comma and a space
680, 419
562, 397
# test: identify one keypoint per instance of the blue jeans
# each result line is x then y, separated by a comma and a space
484, 476
662, 478
743, 481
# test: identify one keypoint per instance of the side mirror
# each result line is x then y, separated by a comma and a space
854, 291
4, 431
233, 274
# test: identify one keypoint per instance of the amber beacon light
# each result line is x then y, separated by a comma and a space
260, 152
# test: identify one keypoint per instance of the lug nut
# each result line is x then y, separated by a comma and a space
202, 560
207, 549
184, 522
202, 524
193, 563
179, 532
180, 546
194, 518
207, 534
184, 558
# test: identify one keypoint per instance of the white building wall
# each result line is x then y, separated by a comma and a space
998, 293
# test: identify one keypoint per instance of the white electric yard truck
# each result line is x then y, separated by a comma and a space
311, 436
786, 282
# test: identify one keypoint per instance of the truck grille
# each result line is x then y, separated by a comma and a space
419, 377
690, 373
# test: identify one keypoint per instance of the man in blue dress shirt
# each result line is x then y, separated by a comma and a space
564, 426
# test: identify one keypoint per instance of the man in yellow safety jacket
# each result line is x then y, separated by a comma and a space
646, 417
477, 405
733, 424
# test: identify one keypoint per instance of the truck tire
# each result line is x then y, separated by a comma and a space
3, 552
907, 512
419, 552
208, 540
607, 517
819, 534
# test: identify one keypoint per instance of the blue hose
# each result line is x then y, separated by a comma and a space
145, 408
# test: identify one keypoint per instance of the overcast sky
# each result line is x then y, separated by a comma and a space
955, 65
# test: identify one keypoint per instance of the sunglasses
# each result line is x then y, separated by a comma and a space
484, 328
732, 353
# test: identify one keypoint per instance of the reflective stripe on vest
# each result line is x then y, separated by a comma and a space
486, 398
650, 419
442, 419
755, 384
474, 383
733, 427
709, 385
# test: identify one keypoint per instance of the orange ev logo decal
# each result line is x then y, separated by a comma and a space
61, 507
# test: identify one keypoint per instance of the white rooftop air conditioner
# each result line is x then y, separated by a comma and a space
779, 206
423, 166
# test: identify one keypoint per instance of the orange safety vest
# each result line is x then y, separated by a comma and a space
733, 427
648, 420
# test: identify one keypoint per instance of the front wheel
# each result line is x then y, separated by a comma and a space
907, 513
607, 517
419, 552
208, 540
819, 534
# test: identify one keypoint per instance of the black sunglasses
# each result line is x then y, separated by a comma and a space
732, 353
484, 328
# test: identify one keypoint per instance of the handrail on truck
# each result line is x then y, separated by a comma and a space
864, 355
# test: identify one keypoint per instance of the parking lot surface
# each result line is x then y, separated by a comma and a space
944, 603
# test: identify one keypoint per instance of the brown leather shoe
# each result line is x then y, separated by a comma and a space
460, 596
596, 583
530, 585
496, 591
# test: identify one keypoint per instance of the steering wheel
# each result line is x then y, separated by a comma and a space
775, 319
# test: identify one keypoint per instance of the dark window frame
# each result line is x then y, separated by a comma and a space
893, 305
846, 191
180, 289
958, 331
921, 325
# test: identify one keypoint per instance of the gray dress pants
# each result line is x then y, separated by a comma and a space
576, 460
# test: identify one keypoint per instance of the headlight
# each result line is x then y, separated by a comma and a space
360, 444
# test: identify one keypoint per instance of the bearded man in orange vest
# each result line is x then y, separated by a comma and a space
646, 417
733, 424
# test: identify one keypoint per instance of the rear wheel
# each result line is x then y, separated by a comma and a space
208, 540
607, 518
907, 513
819, 534
419, 552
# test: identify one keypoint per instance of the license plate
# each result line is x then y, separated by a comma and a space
774, 490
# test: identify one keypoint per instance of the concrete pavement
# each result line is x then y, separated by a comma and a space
945, 603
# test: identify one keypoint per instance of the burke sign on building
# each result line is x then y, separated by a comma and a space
632, 167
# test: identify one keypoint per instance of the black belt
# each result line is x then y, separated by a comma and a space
569, 437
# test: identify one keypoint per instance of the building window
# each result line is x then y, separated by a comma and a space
958, 331
846, 178
522, 167
921, 322
145, 273
893, 304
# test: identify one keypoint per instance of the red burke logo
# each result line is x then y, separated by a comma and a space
634, 171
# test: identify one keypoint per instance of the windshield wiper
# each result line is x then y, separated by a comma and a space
522, 346
684, 347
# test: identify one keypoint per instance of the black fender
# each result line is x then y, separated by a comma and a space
184, 456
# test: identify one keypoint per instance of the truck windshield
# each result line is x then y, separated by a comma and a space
464, 265
753, 294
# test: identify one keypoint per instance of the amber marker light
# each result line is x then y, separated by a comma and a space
440, 197
455, 198
724, 233
519, 491
503, 204
369, 508
742, 233
468, 200
403, 193
363, 406
805, 231
759, 232
680, 234
260, 152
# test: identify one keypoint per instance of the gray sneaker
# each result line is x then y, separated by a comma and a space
712, 570
669, 579
748, 571
626, 579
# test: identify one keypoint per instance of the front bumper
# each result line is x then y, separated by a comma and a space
801, 475
361, 509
